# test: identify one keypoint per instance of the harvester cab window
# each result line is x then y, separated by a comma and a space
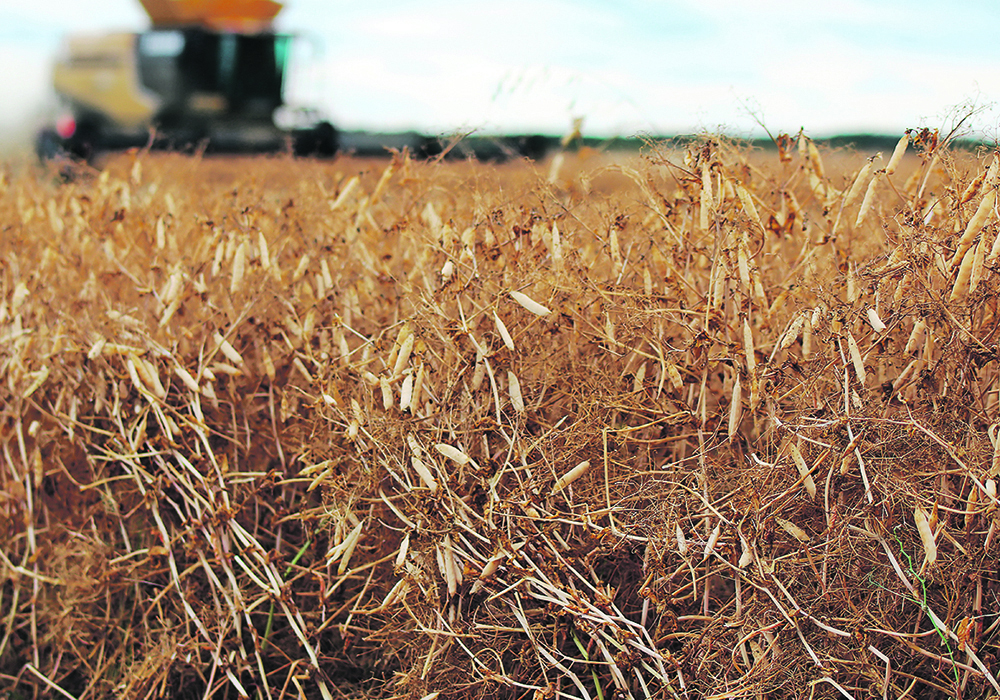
158, 53
257, 72
192, 68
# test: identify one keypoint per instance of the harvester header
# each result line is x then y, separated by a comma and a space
220, 15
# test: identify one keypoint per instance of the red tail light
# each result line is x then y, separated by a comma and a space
66, 126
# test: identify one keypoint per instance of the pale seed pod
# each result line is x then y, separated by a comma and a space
324, 270
916, 335
735, 407
406, 392
395, 593
227, 349
239, 267
982, 216
616, 251
897, 154
405, 348
719, 287
570, 476
404, 547
793, 530
960, 290
502, 330
386, 392
993, 172
792, 332
713, 539
743, 262
262, 251
418, 389
995, 464
161, 235
926, 534
866, 203
639, 378
351, 542
807, 335
478, 374
153, 377
674, 375
169, 311
135, 373
514, 388
682, 545
978, 261
994, 255
800, 464
970, 505
557, 257
748, 348
747, 556
814, 159
447, 270
758, 288
904, 376
96, 349
902, 288
491, 567
705, 210
425, 474
530, 304
846, 462
859, 182
453, 453
748, 205
186, 378
856, 360
452, 574
973, 189
344, 193
875, 321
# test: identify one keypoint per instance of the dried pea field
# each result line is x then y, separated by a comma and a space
700, 423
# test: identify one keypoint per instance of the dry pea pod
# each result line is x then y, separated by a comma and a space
504, 333
960, 290
856, 360
897, 154
866, 203
982, 216
570, 476
530, 304
859, 182
748, 348
514, 389
735, 407
926, 534
793, 530
804, 473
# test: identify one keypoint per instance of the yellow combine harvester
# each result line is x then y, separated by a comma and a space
207, 74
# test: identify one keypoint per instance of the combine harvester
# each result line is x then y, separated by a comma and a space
207, 74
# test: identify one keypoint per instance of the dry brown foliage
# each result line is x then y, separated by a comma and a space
708, 423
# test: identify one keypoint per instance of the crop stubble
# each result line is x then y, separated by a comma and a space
705, 423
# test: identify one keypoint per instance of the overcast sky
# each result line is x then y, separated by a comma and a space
626, 66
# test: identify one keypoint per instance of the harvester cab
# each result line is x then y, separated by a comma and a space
206, 74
